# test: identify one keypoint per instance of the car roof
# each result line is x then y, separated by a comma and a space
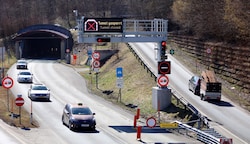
24, 72
77, 105
38, 84
21, 61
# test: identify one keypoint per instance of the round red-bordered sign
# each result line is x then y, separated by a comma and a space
96, 55
163, 81
96, 64
7, 82
164, 67
19, 101
151, 122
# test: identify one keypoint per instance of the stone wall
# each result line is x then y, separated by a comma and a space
232, 63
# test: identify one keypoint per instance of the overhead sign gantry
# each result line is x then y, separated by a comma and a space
121, 30
116, 30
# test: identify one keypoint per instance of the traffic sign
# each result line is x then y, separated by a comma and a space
7, 82
226, 141
119, 73
89, 51
151, 122
96, 55
209, 50
163, 81
19, 101
119, 82
164, 67
91, 25
171, 51
96, 64
169, 125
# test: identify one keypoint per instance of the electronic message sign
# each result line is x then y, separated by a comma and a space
103, 25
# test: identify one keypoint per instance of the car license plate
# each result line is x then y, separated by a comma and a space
84, 125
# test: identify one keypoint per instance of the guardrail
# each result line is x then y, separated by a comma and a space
209, 136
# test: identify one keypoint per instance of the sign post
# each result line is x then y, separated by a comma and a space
7, 83
96, 65
19, 102
119, 81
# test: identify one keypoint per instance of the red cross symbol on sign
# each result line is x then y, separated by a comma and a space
91, 25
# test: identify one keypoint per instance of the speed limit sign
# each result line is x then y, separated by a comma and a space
7, 82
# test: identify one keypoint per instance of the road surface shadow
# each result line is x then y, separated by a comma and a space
145, 129
85, 131
221, 103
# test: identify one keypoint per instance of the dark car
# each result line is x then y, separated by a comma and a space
194, 85
78, 116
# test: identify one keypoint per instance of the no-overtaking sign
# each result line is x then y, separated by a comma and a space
7, 82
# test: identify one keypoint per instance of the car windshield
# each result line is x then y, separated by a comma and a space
81, 111
25, 73
39, 88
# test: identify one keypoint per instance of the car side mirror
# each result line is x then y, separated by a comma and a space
93, 114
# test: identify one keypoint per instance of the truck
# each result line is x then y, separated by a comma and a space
206, 86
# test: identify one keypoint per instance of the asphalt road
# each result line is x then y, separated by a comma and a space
114, 125
226, 117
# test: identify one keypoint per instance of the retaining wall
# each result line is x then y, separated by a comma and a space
232, 63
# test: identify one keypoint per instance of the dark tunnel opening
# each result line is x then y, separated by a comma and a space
42, 49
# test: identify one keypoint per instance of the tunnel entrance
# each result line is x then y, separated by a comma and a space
43, 42
42, 48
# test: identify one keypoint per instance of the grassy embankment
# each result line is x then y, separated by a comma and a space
137, 89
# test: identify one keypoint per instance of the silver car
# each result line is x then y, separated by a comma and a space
24, 77
39, 92
194, 85
22, 64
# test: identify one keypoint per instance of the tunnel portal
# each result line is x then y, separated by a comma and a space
43, 42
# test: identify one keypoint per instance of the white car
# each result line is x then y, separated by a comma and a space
39, 92
24, 77
21, 64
